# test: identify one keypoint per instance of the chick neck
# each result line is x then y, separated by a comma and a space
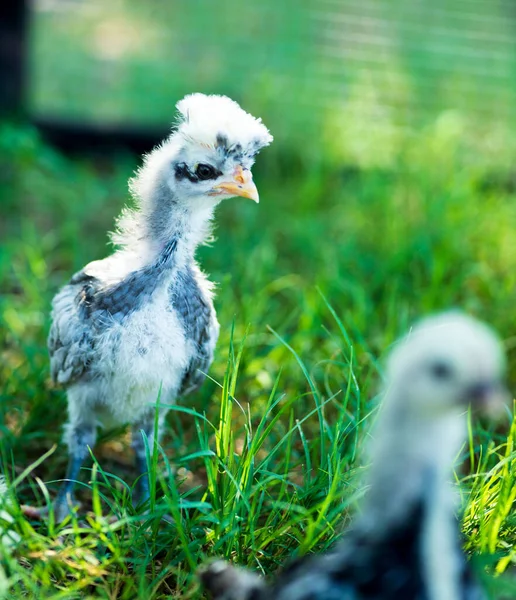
412, 456
168, 221
164, 230
412, 461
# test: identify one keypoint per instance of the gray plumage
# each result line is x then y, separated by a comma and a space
140, 324
196, 314
405, 544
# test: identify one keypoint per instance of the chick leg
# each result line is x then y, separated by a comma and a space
141, 429
80, 437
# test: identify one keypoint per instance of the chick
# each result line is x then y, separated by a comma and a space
140, 324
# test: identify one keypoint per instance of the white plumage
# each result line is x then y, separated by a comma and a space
203, 118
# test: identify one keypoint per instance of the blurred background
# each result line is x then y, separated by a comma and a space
303, 64
389, 192
299, 63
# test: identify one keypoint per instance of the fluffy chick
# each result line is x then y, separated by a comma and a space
140, 324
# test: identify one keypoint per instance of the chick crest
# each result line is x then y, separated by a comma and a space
212, 121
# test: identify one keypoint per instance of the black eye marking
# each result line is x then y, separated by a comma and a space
183, 172
204, 172
441, 370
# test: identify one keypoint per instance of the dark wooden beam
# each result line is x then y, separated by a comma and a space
98, 138
67, 134
13, 55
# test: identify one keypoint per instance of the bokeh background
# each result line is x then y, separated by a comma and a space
389, 193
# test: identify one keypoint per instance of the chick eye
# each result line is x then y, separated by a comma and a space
204, 172
440, 370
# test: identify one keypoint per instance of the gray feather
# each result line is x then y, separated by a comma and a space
198, 318
71, 340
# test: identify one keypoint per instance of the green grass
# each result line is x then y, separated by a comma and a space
358, 234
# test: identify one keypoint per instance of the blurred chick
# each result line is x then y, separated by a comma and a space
140, 324
406, 543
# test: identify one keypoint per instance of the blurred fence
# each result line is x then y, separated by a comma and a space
128, 61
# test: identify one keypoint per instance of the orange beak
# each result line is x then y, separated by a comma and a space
242, 185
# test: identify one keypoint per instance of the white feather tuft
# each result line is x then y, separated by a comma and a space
204, 118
